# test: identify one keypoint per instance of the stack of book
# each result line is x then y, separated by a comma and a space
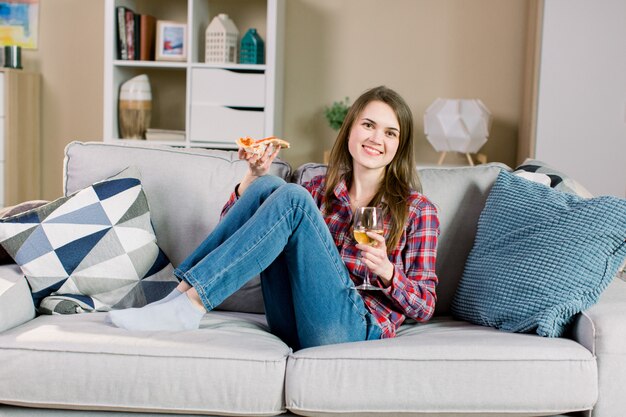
165, 134
135, 35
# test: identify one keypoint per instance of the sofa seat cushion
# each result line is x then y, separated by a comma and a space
444, 366
231, 366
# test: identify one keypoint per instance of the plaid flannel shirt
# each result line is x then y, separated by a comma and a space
412, 289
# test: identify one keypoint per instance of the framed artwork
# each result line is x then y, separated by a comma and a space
19, 21
171, 41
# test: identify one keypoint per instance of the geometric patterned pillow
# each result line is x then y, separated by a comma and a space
555, 179
540, 256
94, 250
5, 258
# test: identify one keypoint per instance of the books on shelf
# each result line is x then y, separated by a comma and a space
165, 134
147, 32
135, 35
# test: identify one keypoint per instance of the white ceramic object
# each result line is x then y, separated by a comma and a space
135, 107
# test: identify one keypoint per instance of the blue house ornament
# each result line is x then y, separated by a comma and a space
252, 49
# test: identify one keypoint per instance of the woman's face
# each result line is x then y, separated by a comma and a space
374, 136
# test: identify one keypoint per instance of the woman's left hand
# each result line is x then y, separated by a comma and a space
375, 258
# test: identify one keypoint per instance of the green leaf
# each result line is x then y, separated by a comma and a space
336, 113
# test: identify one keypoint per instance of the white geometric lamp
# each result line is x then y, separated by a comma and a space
457, 125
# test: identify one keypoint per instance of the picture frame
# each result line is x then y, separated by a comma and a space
171, 41
19, 23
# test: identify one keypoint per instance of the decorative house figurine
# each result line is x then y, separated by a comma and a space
135, 107
252, 48
222, 38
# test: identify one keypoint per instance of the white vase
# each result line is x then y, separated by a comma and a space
135, 107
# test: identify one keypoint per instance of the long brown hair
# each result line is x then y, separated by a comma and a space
400, 175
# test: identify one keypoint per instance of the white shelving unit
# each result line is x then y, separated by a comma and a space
214, 104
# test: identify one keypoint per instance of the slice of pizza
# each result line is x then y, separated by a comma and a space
258, 147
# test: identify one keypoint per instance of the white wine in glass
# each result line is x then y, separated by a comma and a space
367, 219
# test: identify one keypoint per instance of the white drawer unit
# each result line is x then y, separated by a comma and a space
223, 125
225, 105
227, 87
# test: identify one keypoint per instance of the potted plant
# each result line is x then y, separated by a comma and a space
336, 113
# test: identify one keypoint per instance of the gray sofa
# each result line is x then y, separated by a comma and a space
234, 366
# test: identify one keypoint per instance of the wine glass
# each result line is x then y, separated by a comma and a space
367, 219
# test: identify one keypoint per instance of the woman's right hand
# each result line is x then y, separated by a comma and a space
257, 165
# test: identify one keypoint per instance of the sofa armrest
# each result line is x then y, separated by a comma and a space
602, 330
16, 302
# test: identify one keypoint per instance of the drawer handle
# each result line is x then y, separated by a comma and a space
245, 71
241, 108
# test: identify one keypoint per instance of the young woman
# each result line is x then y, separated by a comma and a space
299, 240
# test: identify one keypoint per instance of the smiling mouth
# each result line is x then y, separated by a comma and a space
372, 151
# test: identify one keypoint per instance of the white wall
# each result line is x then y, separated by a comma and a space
581, 121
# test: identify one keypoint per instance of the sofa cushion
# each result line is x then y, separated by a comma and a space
230, 366
306, 172
91, 251
540, 256
459, 194
186, 190
443, 367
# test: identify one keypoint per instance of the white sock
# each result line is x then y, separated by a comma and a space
175, 293
177, 314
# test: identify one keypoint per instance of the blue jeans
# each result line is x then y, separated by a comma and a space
276, 230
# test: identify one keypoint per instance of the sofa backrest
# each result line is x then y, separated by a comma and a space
186, 190
459, 195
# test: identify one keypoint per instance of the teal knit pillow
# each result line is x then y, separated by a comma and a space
540, 256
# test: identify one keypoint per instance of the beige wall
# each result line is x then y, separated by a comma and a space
334, 48
70, 60
422, 48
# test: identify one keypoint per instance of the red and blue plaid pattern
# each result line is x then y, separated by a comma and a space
412, 290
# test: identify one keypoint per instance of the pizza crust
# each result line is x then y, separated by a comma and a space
257, 147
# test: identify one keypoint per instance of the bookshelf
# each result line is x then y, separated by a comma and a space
213, 104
